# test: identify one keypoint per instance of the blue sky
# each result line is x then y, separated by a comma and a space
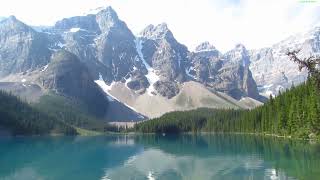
224, 23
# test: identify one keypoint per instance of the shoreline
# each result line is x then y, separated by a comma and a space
96, 133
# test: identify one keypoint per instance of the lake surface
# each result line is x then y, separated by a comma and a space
194, 157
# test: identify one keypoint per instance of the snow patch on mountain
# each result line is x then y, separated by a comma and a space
272, 65
73, 30
106, 88
127, 81
61, 45
188, 72
205, 47
151, 75
44, 68
155, 32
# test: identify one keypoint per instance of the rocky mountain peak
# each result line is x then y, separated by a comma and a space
162, 27
12, 18
107, 19
100, 22
108, 13
238, 55
161, 31
12, 24
205, 46
21, 47
240, 47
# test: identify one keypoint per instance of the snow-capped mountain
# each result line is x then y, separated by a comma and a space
164, 57
147, 70
272, 69
228, 73
21, 47
153, 63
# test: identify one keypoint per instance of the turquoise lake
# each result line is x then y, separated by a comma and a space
151, 157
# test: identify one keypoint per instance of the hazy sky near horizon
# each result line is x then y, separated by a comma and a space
224, 23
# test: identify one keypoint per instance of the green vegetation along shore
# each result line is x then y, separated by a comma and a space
295, 112
22, 119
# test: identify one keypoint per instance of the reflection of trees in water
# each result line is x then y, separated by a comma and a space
297, 158
61, 157
219, 156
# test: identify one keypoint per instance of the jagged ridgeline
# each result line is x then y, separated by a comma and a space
141, 72
95, 62
66, 75
18, 117
295, 112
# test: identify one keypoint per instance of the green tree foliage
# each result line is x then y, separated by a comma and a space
295, 112
311, 64
70, 111
22, 119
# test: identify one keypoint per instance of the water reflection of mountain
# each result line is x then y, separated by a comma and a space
157, 157
299, 159
62, 157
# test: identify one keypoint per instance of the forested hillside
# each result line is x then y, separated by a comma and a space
21, 119
295, 112
70, 111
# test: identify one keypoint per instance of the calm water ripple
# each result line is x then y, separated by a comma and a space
151, 157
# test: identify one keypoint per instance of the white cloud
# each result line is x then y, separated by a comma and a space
224, 23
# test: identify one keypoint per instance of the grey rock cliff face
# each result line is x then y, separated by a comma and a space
204, 63
88, 23
154, 62
272, 69
237, 75
166, 56
67, 76
164, 53
21, 48
228, 73
103, 42
116, 46
207, 49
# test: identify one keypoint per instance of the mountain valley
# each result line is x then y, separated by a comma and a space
97, 61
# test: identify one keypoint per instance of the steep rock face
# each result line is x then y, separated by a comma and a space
165, 56
272, 69
236, 77
66, 75
228, 73
167, 88
116, 46
97, 57
154, 63
21, 48
137, 82
205, 63
82, 22
236, 80
77, 35
206, 49
162, 52
104, 43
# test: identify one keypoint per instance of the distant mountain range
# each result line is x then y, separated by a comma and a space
98, 60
